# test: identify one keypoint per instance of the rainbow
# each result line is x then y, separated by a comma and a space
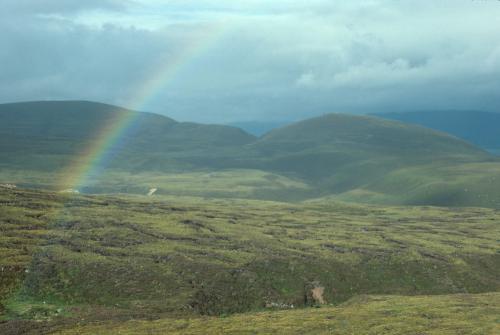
108, 138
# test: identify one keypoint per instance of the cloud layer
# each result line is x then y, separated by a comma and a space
262, 61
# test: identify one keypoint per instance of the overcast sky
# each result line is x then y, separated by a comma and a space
242, 60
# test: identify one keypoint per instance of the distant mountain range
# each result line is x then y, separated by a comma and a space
335, 156
258, 128
478, 127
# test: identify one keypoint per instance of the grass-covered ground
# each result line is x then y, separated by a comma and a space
68, 259
235, 183
449, 314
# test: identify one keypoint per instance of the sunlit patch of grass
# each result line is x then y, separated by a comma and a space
19, 307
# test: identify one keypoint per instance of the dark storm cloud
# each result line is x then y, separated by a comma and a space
269, 60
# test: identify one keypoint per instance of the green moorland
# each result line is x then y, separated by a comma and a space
234, 183
335, 156
133, 264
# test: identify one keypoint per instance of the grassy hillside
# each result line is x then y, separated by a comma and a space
368, 159
357, 149
114, 258
468, 184
48, 135
336, 156
478, 127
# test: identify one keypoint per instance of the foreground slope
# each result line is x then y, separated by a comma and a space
368, 315
114, 258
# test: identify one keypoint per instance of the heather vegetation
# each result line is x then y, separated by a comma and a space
90, 262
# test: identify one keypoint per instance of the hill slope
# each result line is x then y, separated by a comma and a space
369, 159
46, 135
318, 147
480, 128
